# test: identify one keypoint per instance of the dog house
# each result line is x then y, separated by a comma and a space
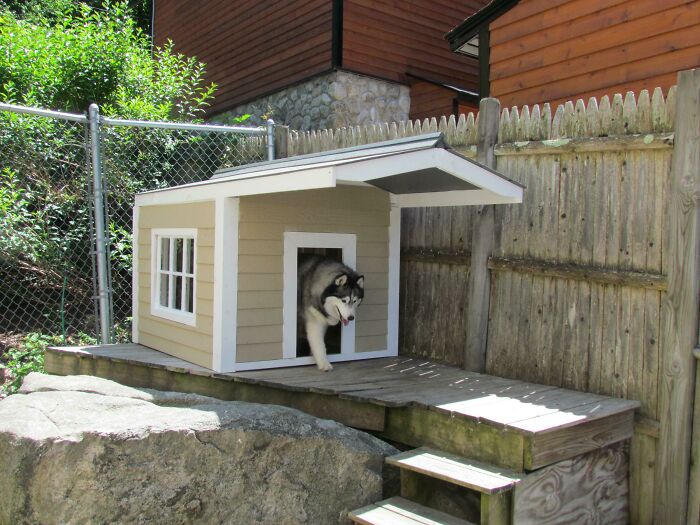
215, 262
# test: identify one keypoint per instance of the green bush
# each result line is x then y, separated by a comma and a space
29, 356
72, 54
64, 55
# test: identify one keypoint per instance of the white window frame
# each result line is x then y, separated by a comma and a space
173, 314
347, 242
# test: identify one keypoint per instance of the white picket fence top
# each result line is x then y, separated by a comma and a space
628, 115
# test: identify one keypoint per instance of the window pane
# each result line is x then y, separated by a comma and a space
178, 254
178, 293
190, 256
164, 253
163, 278
189, 296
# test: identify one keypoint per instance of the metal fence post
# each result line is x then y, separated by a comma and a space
270, 139
100, 228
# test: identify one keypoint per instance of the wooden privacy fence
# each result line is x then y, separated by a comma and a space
592, 281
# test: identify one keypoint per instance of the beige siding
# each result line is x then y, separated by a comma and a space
263, 221
192, 343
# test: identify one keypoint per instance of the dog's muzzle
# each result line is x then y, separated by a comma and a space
343, 319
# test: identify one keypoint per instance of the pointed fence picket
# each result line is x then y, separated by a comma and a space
623, 116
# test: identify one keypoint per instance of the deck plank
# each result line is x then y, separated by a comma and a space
399, 511
464, 385
507, 409
472, 474
463, 402
573, 416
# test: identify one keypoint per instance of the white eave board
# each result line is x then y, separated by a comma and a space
419, 172
480, 185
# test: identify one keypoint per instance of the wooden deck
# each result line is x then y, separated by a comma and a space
505, 422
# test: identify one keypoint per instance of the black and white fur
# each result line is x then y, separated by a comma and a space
328, 293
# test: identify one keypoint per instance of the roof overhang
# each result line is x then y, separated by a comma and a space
461, 38
417, 172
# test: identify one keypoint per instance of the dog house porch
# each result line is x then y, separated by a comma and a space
529, 433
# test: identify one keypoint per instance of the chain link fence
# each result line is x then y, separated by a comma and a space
46, 277
137, 159
48, 280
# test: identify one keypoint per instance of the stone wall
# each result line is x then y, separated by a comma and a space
332, 100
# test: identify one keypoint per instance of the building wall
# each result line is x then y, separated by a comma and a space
263, 221
332, 100
467, 107
386, 39
250, 48
430, 100
192, 344
266, 52
553, 51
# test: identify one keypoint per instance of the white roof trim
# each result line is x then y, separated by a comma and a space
308, 179
491, 188
494, 188
331, 158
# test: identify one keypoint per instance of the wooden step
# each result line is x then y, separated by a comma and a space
400, 511
474, 475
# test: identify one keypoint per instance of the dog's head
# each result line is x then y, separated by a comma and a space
343, 296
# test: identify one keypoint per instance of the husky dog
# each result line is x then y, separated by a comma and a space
328, 293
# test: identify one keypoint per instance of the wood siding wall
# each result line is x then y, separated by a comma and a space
263, 221
553, 51
430, 100
467, 107
192, 344
386, 39
250, 48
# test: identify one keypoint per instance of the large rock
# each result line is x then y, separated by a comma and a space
80, 450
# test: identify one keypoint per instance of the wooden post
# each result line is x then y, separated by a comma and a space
479, 284
496, 509
680, 309
281, 142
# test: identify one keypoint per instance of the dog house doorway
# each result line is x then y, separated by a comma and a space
333, 333
298, 246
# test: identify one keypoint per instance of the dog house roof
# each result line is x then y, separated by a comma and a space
418, 171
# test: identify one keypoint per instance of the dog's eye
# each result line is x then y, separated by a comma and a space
346, 300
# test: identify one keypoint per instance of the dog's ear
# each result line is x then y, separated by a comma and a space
361, 281
341, 279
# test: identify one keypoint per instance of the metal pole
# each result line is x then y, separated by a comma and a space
43, 113
270, 139
100, 228
181, 125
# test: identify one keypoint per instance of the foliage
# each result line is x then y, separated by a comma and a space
29, 356
64, 55
31, 222
54, 9
72, 54
20, 232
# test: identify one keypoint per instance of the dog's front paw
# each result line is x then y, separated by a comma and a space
325, 367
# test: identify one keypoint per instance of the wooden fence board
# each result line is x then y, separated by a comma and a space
680, 320
532, 348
